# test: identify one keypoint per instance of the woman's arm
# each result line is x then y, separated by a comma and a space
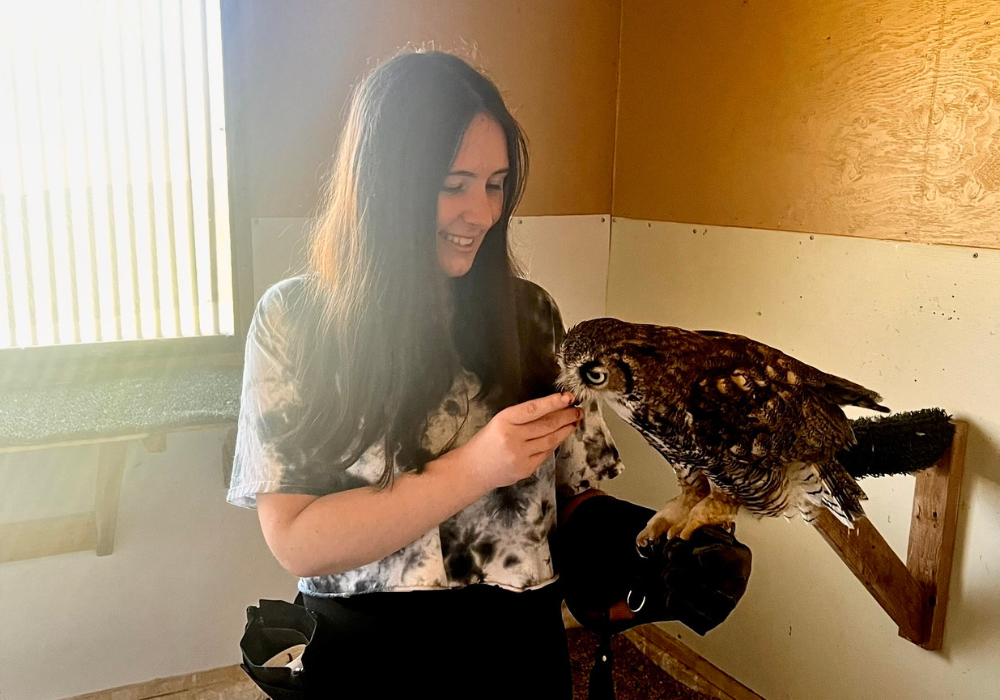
326, 535
318, 536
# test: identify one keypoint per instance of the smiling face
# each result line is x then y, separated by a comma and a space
471, 198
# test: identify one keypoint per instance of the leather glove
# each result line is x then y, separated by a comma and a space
697, 582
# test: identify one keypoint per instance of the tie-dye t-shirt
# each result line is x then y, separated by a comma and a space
501, 539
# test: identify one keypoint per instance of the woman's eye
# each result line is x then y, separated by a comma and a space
458, 188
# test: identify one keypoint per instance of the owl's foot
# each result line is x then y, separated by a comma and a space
672, 517
714, 509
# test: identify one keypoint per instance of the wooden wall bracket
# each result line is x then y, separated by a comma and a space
95, 530
915, 594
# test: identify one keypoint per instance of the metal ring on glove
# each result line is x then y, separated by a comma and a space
628, 602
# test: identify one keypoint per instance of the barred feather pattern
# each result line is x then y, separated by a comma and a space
759, 425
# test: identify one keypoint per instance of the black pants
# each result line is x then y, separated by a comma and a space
475, 642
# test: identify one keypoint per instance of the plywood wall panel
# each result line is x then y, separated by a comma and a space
961, 185
877, 119
293, 64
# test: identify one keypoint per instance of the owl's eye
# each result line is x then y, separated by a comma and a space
595, 376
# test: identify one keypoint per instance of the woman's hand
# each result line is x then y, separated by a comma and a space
331, 534
519, 438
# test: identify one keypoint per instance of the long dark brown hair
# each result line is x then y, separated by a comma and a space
391, 330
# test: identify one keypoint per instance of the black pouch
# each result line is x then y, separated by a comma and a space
278, 627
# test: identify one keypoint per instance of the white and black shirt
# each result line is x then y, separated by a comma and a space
502, 539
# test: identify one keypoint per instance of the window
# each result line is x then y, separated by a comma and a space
114, 214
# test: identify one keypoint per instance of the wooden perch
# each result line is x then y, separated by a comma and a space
915, 594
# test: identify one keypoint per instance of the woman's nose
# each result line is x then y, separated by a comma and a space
480, 210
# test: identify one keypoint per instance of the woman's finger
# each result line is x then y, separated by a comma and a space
522, 413
547, 443
551, 422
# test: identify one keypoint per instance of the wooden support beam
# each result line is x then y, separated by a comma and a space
915, 594
44, 537
229, 682
31, 539
687, 666
110, 467
934, 523
886, 577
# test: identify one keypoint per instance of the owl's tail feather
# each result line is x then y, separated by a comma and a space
847, 393
903, 443
840, 494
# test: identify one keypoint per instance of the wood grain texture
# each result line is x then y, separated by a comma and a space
960, 186
877, 119
877, 567
226, 683
915, 595
687, 666
292, 66
936, 497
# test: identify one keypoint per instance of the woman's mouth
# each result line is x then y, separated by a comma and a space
459, 241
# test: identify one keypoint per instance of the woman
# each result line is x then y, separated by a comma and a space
400, 435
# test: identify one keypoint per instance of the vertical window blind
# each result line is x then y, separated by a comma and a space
114, 217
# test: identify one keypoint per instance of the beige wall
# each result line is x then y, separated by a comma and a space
919, 324
292, 64
875, 119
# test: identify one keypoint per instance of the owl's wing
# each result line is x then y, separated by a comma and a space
775, 364
756, 411
754, 404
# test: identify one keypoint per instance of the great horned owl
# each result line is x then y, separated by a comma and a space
742, 423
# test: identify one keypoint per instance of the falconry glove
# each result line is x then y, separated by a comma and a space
697, 582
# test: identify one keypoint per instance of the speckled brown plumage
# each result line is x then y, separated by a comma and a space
741, 422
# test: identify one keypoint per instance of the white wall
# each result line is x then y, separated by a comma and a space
568, 256
921, 325
170, 599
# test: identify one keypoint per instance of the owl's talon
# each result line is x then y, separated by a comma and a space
715, 509
668, 521
677, 530
654, 530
